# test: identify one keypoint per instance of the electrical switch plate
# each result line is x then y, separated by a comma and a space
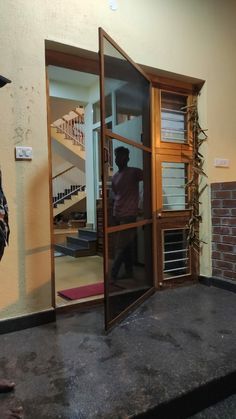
113, 5
218, 162
23, 153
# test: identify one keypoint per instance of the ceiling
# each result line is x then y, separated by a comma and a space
65, 75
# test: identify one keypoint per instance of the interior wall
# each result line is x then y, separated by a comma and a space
93, 97
68, 91
195, 38
60, 107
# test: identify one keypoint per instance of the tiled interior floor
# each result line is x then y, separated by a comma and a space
74, 272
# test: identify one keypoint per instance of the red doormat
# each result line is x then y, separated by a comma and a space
82, 292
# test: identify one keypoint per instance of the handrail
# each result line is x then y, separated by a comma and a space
62, 173
80, 188
70, 125
67, 180
77, 140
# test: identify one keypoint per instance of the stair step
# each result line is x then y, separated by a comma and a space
77, 240
86, 243
88, 238
73, 250
90, 235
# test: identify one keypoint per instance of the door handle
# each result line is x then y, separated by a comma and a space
159, 215
106, 155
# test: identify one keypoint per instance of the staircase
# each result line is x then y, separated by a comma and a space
68, 134
66, 147
68, 198
68, 141
71, 126
82, 244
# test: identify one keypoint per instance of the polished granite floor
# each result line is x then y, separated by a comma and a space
177, 342
225, 409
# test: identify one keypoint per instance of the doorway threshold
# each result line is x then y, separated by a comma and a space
78, 305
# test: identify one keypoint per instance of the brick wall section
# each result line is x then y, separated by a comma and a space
223, 204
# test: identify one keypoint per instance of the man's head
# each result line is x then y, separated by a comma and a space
121, 157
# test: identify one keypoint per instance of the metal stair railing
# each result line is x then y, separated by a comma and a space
78, 188
72, 126
67, 183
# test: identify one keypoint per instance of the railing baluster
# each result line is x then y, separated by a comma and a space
71, 126
62, 188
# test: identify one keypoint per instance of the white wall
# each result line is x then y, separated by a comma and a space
60, 107
68, 91
195, 38
93, 96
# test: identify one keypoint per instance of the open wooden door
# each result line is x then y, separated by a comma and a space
126, 149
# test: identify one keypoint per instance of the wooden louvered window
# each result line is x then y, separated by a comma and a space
174, 189
174, 118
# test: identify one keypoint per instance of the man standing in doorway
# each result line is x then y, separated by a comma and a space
125, 187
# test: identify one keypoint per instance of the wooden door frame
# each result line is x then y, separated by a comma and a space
78, 59
53, 284
172, 219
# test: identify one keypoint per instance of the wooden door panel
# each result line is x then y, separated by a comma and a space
173, 161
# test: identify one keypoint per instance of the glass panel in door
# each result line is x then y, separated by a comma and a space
126, 176
128, 190
129, 268
130, 92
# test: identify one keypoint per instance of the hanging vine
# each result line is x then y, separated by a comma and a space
198, 137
